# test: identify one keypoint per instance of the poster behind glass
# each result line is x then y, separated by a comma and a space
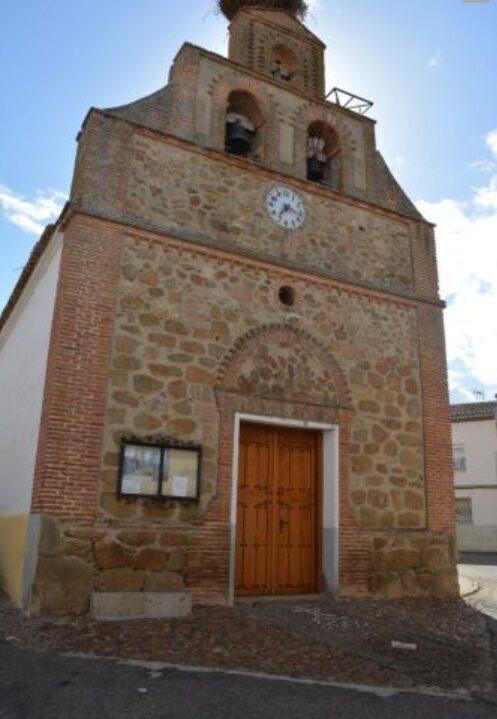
180, 473
140, 474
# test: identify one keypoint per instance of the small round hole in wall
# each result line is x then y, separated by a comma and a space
287, 296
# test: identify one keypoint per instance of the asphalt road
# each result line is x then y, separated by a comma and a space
484, 559
35, 686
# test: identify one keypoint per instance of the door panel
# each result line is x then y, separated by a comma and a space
278, 510
295, 542
254, 513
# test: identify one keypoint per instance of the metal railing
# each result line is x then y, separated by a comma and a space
347, 100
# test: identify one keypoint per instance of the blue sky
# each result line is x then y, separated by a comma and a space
429, 66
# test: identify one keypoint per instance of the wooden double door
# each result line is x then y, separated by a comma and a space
278, 512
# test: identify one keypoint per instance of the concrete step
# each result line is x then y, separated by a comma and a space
121, 606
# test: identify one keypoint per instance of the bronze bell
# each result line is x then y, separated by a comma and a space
315, 169
238, 138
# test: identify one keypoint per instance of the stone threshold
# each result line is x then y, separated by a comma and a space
283, 598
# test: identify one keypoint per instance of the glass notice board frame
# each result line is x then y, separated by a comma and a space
161, 471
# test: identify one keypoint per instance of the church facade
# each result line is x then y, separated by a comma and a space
233, 343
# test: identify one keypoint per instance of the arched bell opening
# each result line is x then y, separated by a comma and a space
324, 155
243, 120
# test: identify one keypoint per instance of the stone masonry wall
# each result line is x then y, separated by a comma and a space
179, 314
75, 560
175, 189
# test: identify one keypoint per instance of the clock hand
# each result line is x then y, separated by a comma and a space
286, 208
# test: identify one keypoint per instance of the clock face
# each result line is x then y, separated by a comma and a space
286, 208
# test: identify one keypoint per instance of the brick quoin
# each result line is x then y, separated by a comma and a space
438, 445
70, 438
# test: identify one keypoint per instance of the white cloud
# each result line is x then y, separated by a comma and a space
313, 5
467, 252
483, 165
31, 215
436, 60
486, 197
492, 141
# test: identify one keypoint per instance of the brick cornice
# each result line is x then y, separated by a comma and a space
207, 245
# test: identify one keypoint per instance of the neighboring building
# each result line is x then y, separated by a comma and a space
474, 438
237, 282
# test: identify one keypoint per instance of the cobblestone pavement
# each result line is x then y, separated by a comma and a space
350, 641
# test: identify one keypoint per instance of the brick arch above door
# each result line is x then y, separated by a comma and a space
283, 363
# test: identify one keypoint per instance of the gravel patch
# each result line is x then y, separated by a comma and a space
344, 641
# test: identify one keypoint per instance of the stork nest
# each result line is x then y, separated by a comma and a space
229, 8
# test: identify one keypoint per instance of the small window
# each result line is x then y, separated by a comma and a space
160, 471
459, 457
464, 510
284, 63
287, 296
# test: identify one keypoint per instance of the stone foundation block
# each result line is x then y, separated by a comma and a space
118, 606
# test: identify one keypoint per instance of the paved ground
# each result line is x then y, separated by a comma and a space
443, 644
312, 644
35, 686
482, 568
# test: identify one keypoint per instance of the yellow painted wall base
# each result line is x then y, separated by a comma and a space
13, 545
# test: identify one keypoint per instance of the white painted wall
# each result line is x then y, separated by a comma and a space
24, 345
480, 443
478, 483
476, 539
484, 504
